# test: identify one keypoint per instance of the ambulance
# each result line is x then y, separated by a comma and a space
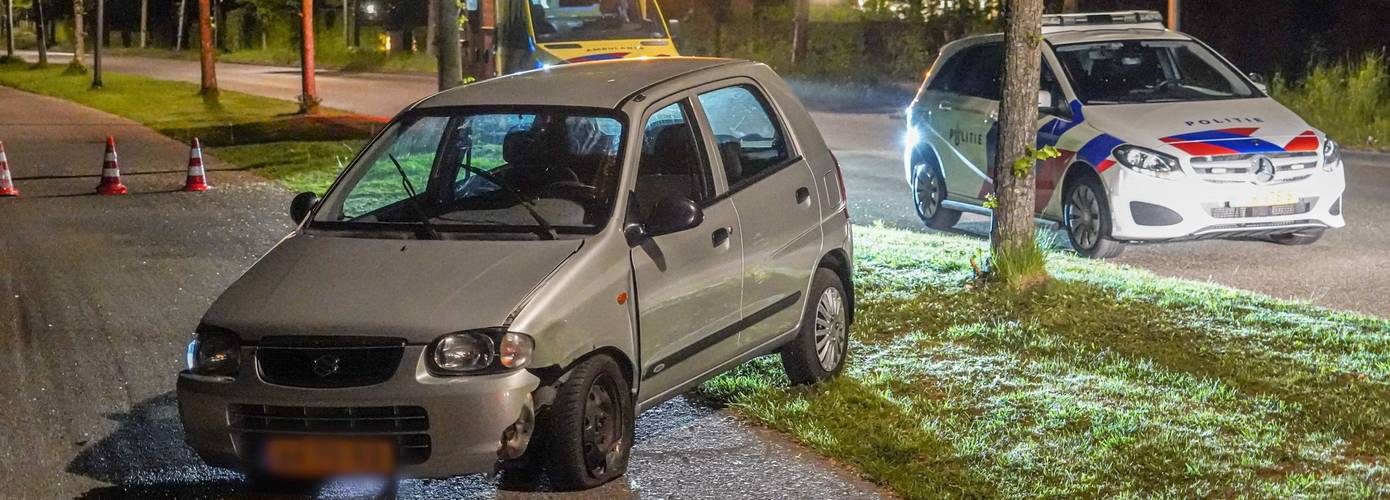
534, 34
1161, 139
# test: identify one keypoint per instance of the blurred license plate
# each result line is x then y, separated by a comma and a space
320, 457
1267, 199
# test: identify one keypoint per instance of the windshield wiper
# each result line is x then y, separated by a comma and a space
544, 229
425, 224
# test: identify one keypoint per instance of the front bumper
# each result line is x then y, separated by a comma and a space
466, 415
1144, 208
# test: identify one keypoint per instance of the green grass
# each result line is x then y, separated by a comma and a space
1108, 381
1350, 100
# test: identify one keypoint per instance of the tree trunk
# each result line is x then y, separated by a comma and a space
183, 22
79, 37
1018, 115
144, 23
100, 41
41, 32
1071, 6
205, 53
1174, 14
800, 28
432, 27
309, 99
9, 29
446, 44
347, 31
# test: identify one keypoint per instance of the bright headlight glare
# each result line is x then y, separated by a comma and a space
515, 349
463, 352
1331, 155
214, 353
1147, 162
912, 136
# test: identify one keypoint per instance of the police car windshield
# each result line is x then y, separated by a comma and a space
582, 20
1144, 71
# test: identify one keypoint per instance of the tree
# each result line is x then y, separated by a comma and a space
446, 42
206, 56
800, 29
9, 29
178, 39
309, 97
144, 22
78, 39
41, 35
1015, 256
432, 27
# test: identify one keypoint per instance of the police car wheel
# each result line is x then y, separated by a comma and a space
928, 192
1086, 219
1300, 238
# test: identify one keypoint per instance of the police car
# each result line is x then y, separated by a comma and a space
1161, 139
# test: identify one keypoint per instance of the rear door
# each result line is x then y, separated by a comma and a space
775, 193
689, 284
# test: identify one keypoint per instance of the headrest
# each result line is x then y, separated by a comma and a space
674, 149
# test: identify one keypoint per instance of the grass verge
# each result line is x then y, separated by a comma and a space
1107, 381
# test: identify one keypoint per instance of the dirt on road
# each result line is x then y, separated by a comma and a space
99, 294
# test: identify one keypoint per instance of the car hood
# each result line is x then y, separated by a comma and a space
414, 289
1207, 127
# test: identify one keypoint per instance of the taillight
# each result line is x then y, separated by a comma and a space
840, 176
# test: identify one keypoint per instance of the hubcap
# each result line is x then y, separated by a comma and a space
928, 191
1083, 217
602, 427
830, 329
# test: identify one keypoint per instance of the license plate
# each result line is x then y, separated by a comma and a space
1268, 199
312, 457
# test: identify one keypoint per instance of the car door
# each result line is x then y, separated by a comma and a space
972, 132
689, 283
775, 193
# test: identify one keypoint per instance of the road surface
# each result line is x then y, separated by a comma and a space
98, 296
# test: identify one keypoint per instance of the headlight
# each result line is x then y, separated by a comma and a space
214, 353
1331, 155
515, 349
1147, 162
463, 352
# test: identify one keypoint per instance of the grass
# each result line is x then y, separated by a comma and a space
1350, 100
1107, 381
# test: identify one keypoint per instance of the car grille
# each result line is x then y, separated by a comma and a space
408, 426
1236, 168
325, 362
1303, 206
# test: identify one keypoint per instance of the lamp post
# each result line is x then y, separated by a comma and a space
1174, 10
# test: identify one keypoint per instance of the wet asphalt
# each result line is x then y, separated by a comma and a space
98, 295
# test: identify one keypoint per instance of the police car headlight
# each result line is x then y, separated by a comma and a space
1331, 155
1147, 162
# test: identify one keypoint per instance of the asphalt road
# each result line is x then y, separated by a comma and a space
98, 294
1349, 269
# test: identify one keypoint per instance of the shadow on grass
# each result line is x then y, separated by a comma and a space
282, 128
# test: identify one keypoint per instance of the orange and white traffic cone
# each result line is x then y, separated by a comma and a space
197, 176
6, 182
111, 171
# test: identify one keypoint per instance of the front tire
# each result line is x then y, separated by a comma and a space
589, 426
929, 194
820, 348
1086, 219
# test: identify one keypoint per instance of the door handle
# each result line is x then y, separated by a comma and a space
945, 106
720, 236
802, 194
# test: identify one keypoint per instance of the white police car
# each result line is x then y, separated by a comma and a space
1161, 139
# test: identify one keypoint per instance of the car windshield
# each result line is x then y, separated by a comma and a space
548, 171
580, 20
1149, 71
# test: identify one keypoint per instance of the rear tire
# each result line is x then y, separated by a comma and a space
1300, 238
819, 351
929, 194
589, 426
1086, 219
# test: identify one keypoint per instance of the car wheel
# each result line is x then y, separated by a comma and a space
1300, 238
929, 192
1086, 213
589, 426
819, 350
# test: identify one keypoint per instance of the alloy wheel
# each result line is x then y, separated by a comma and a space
830, 329
928, 191
1083, 217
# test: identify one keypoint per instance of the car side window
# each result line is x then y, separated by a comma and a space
749, 138
981, 74
673, 163
948, 72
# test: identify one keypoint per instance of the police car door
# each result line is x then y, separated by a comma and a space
972, 128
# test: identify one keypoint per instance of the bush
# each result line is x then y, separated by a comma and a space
1349, 100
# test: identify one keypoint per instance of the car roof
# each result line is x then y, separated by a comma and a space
600, 84
1093, 34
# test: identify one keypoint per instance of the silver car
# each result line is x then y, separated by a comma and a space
513, 270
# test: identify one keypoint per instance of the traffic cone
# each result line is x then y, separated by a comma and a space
111, 171
6, 183
197, 176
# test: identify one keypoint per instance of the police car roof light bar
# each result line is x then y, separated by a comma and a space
1103, 18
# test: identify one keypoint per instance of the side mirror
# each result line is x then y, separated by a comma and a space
301, 205
671, 215
674, 27
1260, 82
1045, 102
